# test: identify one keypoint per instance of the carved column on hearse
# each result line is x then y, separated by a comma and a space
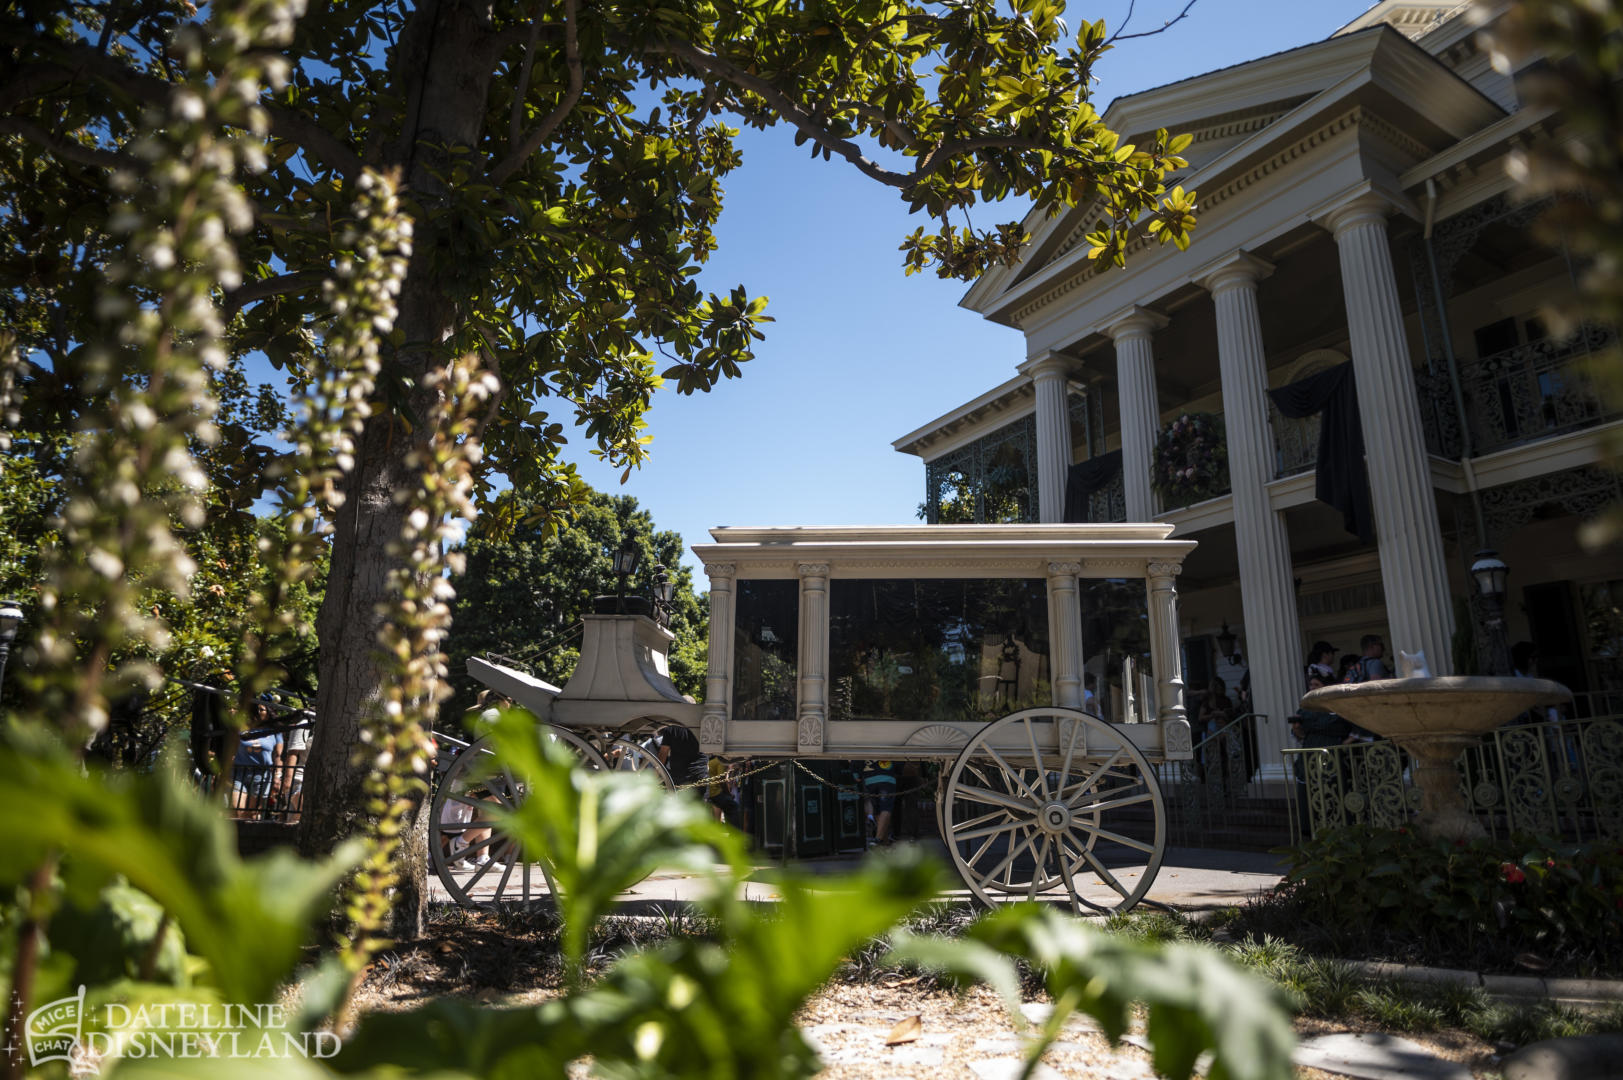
1167, 658
813, 696
1064, 634
719, 666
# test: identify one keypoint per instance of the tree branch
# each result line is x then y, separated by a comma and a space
519, 152
803, 121
1179, 17
66, 149
75, 60
517, 113
250, 292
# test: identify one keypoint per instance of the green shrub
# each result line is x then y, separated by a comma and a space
1493, 898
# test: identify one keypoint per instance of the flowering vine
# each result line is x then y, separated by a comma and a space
144, 377
395, 741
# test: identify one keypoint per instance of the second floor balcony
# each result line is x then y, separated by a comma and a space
1520, 395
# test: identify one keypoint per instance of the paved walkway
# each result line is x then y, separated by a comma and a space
1191, 879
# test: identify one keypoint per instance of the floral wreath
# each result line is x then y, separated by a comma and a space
1191, 459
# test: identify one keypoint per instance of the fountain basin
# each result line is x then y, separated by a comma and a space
1464, 706
1435, 720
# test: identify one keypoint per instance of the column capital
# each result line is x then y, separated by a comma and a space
1046, 365
1237, 268
1064, 569
1163, 569
720, 570
1363, 209
812, 570
1133, 322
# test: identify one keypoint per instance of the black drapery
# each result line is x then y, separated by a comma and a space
1341, 478
1086, 477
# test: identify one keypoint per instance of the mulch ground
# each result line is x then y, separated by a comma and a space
511, 959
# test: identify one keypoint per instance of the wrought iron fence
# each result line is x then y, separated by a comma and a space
1296, 442
1561, 779
1209, 800
1521, 394
992, 479
263, 792
1109, 503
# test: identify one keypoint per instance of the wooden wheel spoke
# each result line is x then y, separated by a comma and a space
1114, 837
988, 797
1040, 856
1010, 771
1093, 777
1036, 761
1104, 874
1014, 853
963, 832
1070, 754
1116, 803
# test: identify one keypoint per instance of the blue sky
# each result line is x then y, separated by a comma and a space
859, 354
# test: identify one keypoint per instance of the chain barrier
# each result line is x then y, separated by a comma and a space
725, 778
860, 789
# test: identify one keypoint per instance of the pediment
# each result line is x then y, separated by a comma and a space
1411, 18
1221, 109
1237, 115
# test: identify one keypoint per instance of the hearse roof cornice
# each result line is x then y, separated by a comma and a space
1102, 550
840, 534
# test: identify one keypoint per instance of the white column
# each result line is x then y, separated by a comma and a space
1419, 612
1048, 375
1065, 634
719, 664
1273, 637
813, 657
1166, 657
1140, 408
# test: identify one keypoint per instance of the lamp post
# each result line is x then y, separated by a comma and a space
11, 617
1489, 573
626, 557
664, 589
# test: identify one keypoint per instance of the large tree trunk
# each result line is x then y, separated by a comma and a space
443, 68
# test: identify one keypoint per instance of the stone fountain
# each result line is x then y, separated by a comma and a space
1435, 720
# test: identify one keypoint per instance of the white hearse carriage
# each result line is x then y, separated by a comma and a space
968, 644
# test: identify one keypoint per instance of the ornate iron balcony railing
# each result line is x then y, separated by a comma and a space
1109, 503
1296, 442
1518, 396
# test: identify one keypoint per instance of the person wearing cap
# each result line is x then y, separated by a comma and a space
1321, 661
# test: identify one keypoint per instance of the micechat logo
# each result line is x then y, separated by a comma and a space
53, 1030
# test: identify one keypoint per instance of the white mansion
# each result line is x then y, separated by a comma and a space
1358, 249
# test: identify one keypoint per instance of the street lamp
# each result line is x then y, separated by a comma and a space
626, 558
11, 617
1489, 573
664, 589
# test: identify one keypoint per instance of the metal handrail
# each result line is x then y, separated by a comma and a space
1220, 732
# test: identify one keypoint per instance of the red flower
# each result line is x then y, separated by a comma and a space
1549, 864
1512, 873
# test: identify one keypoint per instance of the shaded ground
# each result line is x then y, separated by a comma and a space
510, 958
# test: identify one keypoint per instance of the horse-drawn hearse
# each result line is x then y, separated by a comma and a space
961, 643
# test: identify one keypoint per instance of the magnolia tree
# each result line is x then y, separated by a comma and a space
466, 230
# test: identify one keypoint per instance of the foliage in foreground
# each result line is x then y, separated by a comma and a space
718, 1005
1363, 891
